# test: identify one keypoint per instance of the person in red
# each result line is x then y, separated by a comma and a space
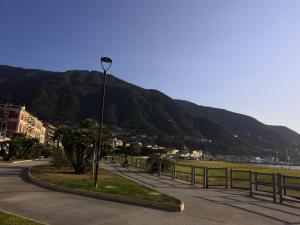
125, 161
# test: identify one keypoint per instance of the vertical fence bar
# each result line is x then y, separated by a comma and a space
279, 187
203, 178
159, 167
193, 175
250, 184
174, 171
274, 187
256, 183
206, 177
284, 184
230, 171
226, 178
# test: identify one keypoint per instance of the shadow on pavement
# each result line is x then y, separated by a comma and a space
258, 207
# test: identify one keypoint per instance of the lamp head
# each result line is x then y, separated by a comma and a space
106, 63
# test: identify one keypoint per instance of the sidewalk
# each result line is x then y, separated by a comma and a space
217, 206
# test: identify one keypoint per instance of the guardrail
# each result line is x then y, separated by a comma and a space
200, 178
213, 179
277, 185
240, 179
183, 172
265, 182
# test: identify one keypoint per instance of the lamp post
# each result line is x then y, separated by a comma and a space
106, 64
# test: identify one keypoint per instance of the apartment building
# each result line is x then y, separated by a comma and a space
15, 119
49, 135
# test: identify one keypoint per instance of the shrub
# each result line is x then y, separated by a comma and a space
47, 151
79, 143
153, 164
59, 159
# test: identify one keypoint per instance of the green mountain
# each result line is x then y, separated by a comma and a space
135, 113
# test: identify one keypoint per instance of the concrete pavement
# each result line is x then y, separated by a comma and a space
225, 206
207, 207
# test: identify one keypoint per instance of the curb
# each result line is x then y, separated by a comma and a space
107, 197
21, 161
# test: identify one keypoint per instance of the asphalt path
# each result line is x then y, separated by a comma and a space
19, 196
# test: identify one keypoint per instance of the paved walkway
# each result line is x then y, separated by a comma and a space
203, 207
217, 206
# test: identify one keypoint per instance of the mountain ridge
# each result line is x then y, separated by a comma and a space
74, 94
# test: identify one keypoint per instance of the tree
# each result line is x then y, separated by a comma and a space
79, 143
22, 147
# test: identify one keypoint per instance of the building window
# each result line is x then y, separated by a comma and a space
12, 126
4, 126
13, 115
5, 115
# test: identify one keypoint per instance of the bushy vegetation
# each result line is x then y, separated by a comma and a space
22, 147
59, 159
153, 163
79, 145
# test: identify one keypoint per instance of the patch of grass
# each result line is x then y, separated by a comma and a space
109, 183
10, 219
240, 166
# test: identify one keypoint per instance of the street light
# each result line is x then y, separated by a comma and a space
106, 64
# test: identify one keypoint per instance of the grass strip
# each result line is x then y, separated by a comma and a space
11, 219
109, 183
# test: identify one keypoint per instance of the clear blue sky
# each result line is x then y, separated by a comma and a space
243, 56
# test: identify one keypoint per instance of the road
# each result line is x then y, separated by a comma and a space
203, 206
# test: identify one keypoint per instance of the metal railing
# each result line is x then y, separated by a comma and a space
216, 177
277, 185
200, 175
240, 179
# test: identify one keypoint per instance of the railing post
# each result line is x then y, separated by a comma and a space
274, 187
174, 171
193, 175
206, 177
159, 167
230, 171
279, 187
256, 183
250, 184
226, 177
284, 184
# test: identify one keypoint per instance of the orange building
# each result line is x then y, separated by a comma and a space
15, 119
